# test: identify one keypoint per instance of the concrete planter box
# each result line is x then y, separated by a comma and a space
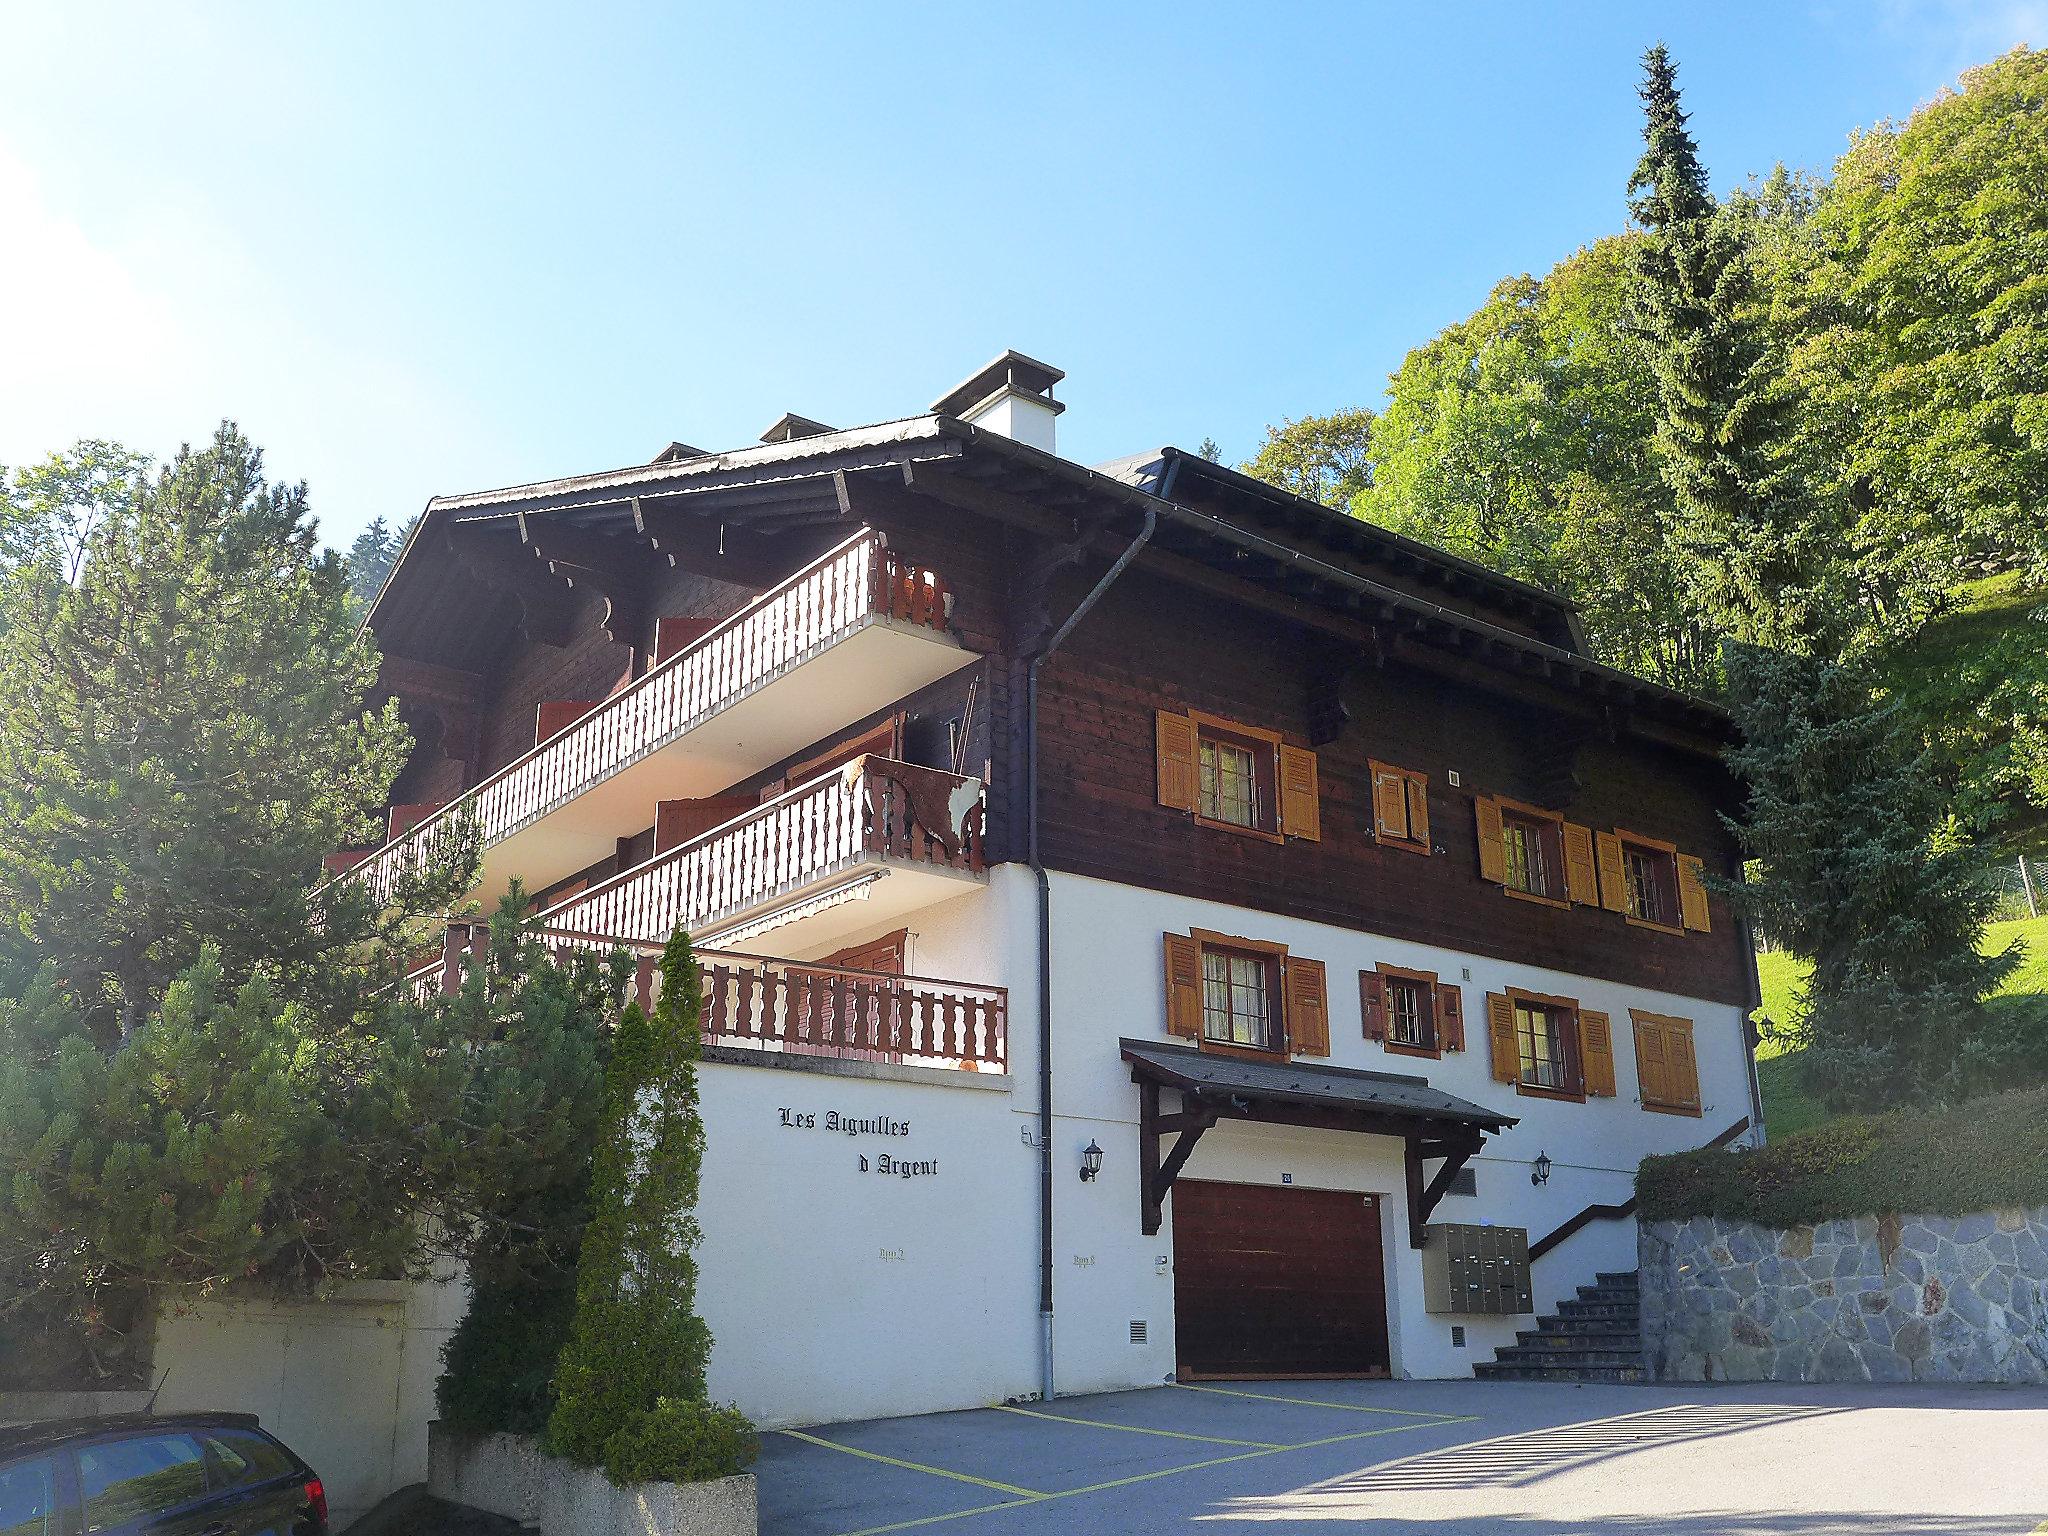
508, 1475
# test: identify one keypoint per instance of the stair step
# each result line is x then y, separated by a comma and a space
1574, 1359
1600, 1338
1628, 1278
1631, 1311
1495, 1371
1588, 1324
1624, 1293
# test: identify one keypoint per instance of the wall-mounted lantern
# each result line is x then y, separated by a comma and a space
1540, 1174
1091, 1161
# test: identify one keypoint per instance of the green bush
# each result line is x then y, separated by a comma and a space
499, 1365
680, 1440
1978, 1155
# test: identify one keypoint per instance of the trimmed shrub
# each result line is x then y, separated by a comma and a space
1982, 1154
680, 1440
499, 1365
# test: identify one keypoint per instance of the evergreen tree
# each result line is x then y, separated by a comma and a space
1762, 559
370, 559
182, 738
1861, 871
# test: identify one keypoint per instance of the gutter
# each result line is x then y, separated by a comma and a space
1045, 1260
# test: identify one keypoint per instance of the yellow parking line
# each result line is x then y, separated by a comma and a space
1316, 1402
1116, 1482
1138, 1429
915, 1466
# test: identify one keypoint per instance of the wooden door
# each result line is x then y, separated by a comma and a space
1277, 1282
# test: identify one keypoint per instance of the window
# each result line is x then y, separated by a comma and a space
1233, 790
1533, 862
1409, 1015
1237, 777
1541, 1033
243, 1458
1243, 994
123, 1480
1411, 1012
1650, 879
1666, 1068
1400, 807
28, 1498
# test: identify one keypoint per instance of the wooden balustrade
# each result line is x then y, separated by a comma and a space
874, 808
788, 1005
834, 596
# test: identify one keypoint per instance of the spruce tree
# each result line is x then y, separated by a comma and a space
182, 737
1763, 559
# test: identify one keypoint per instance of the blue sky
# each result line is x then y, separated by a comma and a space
427, 248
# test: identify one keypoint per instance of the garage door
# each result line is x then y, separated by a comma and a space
1277, 1282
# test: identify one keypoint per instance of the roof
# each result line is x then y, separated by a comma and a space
1391, 1095
29, 1437
1012, 370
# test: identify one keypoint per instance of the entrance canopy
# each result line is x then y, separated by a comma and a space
1431, 1124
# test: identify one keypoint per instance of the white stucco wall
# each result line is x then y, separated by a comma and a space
348, 1383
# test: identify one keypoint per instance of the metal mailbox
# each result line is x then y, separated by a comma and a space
1475, 1269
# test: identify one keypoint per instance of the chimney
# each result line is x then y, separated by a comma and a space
1013, 396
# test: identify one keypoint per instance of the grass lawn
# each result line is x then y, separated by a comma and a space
1786, 1109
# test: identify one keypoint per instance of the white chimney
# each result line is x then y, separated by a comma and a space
1013, 396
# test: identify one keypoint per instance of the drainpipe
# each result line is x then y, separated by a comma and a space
1045, 935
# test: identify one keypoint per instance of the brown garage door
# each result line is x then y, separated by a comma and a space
1277, 1282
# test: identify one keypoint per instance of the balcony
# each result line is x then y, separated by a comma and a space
873, 840
755, 1002
846, 636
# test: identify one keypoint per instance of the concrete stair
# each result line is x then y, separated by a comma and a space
1598, 1336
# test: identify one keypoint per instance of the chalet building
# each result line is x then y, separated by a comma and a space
1153, 925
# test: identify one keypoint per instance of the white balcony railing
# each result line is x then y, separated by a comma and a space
842, 592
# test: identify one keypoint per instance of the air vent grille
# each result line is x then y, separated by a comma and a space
1138, 1330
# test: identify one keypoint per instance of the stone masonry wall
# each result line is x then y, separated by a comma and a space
1892, 1298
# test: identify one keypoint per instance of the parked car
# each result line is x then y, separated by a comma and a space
188, 1474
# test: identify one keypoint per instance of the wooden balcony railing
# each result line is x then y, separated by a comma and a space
874, 809
833, 597
787, 1005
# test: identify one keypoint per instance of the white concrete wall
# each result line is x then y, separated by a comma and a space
1107, 983
348, 1383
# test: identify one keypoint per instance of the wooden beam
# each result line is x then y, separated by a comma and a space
691, 542
547, 608
615, 569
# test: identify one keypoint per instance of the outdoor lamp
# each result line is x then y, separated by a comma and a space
1091, 1161
1540, 1174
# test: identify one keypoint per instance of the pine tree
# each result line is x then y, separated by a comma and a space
1762, 556
182, 737
370, 559
1861, 872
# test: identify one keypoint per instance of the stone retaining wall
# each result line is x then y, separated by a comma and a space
1892, 1298
508, 1475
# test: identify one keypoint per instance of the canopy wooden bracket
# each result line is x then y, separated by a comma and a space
615, 569
547, 608
1424, 1196
1156, 1174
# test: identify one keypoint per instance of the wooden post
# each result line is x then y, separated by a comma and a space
451, 959
2027, 885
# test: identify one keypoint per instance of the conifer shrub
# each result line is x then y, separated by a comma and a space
629, 1389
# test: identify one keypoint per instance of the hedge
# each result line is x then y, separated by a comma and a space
1983, 1154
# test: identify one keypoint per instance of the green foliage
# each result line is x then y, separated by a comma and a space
1983, 1154
370, 559
636, 1341
50, 511
681, 1440
1860, 869
1325, 458
242, 1134
182, 738
498, 1367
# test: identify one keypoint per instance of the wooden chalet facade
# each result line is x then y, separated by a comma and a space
1362, 886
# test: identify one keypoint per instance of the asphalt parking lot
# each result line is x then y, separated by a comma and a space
1407, 1458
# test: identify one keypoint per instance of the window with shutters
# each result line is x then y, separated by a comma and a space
1237, 777
1411, 1018
1667, 1071
1541, 1033
1400, 807
1649, 880
1238, 995
1411, 1013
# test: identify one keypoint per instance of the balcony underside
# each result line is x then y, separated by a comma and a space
848, 680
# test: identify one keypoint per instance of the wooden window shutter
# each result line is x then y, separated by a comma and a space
1692, 895
1389, 802
1596, 1053
1653, 1076
1682, 1065
1450, 1016
1500, 1031
1581, 882
1301, 811
1418, 808
1493, 861
1372, 1004
1183, 986
1179, 780
676, 633
1308, 1006
556, 715
1613, 877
